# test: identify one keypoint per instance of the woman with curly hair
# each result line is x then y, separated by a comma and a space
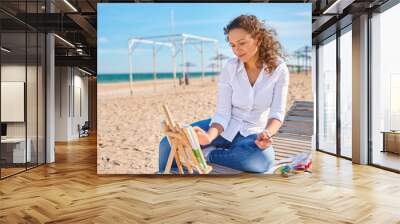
251, 101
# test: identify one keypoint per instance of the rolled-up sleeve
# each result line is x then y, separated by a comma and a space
222, 115
279, 98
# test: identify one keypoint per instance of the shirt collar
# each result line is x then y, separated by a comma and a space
240, 65
242, 68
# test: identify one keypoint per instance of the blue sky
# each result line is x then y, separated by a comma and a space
118, 22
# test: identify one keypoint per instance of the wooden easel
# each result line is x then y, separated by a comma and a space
181, 148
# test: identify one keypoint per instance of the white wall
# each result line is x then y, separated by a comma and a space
79, 117
81, 82
13, 72
70, 83
62, 82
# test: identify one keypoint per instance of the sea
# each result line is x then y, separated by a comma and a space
124, 77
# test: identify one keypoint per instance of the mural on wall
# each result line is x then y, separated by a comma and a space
215, 83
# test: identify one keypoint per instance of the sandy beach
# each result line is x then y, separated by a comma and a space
129, 127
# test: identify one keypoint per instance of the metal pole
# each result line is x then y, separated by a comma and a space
306, 64
173, 48
202, 61
130, 67
183, 60
154, 67
174, 64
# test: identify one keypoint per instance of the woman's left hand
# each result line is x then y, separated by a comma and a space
263, 141
204, 138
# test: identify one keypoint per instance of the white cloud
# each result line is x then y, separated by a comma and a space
102, 40
290, 29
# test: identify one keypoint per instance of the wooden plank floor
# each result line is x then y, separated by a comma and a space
70, 191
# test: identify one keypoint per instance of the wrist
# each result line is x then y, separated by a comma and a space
268, 132
212, 135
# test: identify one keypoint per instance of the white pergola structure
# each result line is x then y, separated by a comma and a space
171, 41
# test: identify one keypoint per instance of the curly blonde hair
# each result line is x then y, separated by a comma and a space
270, 49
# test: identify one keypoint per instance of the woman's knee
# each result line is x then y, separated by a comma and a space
257, 168
260, 162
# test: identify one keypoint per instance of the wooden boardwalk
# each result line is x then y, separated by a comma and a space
299, 120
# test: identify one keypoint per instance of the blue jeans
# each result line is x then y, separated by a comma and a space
240, 154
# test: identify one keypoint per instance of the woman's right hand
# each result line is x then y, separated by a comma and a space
204, 138
264, 140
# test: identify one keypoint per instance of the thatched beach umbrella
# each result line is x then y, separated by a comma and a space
219, 58
213, 66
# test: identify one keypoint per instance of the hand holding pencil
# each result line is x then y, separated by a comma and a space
264, 140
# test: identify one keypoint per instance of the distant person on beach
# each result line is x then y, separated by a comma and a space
251, 101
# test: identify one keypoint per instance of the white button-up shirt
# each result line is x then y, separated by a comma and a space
244, 108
